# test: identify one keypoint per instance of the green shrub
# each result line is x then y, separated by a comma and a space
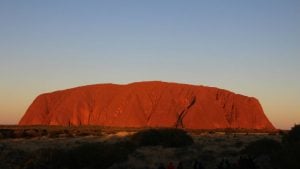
162, 137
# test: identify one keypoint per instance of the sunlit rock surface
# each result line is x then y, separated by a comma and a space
147, 104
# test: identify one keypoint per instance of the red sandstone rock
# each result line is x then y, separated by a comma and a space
147, 104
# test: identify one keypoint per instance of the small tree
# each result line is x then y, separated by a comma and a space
294, 135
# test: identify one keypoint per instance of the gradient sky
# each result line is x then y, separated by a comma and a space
248, 47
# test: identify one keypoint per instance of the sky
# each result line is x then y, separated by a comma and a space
248, 47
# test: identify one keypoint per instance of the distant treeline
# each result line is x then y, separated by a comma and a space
16, 131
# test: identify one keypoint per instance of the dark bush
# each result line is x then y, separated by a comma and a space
46, 158
207, 155
98, 155
238, 144
11, 158
7, 133
19, 133
88, 156
44, 132
293, 135
262, 147
83, 133
54, 133
30, 133
162, 137
282, 155
288, 157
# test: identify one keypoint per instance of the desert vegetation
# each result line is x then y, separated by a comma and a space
162, 137
95, 147
7, 132
283, 154
86, 153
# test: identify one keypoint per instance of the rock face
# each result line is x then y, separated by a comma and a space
147, 104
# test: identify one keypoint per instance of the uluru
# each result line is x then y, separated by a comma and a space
147, 104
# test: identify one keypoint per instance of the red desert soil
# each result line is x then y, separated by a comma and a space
147, 104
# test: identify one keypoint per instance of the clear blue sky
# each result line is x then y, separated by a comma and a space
249, 47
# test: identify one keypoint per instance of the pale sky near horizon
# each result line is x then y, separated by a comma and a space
248, 47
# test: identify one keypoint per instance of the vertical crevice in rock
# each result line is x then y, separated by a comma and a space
179, 122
